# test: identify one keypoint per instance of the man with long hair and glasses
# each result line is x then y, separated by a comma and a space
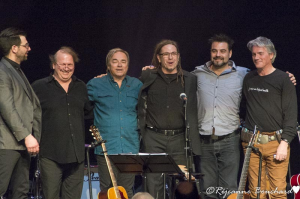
161, 111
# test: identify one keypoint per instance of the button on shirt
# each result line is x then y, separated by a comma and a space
164, 106
63, 131
116, 113
219, 98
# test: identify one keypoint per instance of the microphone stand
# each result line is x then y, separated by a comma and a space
189, 151
89, 169
188, 148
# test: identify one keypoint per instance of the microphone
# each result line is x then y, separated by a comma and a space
183, 96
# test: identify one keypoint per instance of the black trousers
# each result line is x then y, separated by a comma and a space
14, 168
123, 179
64, 180
158, 143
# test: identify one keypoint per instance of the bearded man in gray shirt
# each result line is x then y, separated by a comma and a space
219, 92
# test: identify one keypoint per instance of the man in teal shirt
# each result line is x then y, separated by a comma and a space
115, 97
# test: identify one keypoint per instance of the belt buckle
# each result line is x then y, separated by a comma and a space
214, 137
262, 139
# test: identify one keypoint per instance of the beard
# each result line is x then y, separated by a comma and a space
220, 63
22, 58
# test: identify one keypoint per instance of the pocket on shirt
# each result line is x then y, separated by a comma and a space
132, 99
154, 96
105, 99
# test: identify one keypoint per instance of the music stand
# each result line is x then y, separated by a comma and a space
145, 163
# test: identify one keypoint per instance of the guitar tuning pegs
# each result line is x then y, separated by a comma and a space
91, 130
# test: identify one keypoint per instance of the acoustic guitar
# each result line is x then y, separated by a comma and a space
241, 194
116, 192
295, 183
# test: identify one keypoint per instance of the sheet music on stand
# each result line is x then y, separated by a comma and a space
145, 163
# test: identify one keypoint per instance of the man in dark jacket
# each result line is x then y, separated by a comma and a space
161, 111
20, 115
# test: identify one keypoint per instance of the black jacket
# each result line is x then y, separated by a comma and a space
190, 88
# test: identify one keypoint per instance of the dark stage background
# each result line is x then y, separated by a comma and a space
92, 28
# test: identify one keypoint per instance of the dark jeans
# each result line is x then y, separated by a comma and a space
219, 163
61, 179
158, 143
14, 168
123, 179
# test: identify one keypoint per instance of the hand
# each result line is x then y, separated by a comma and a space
99, 76
282, 151
292, 78
148, 67
32, 145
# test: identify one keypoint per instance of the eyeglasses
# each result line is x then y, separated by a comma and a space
168, 54
65, 65
26, 45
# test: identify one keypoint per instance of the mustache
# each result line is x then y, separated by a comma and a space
218, 58
63, 70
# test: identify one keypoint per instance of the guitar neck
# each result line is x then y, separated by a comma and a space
110, 170
244, 173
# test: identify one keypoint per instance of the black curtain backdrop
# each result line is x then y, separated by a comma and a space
93, 27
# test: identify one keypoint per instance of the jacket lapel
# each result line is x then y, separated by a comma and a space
17, 76
186, 83
152, 77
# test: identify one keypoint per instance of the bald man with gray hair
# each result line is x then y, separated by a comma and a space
142, 195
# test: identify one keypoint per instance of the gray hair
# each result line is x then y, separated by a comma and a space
111, 54
142, 195
263, 42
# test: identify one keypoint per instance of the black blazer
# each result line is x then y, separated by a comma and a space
190, 88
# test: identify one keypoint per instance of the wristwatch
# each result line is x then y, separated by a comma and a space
285, 140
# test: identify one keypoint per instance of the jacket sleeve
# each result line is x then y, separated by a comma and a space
8, 110
145, 74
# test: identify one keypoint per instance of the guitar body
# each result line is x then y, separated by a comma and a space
295, 183
112, 195
235, 196
102, 195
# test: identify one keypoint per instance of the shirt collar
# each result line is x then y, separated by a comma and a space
159, 71
230, 63
51, 78
110, 77
14, 64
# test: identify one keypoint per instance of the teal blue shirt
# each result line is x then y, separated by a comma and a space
115, 113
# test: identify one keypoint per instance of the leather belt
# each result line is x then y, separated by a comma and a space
263, 137
167, 132
208, 137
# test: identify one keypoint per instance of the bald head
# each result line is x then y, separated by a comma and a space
142, 195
